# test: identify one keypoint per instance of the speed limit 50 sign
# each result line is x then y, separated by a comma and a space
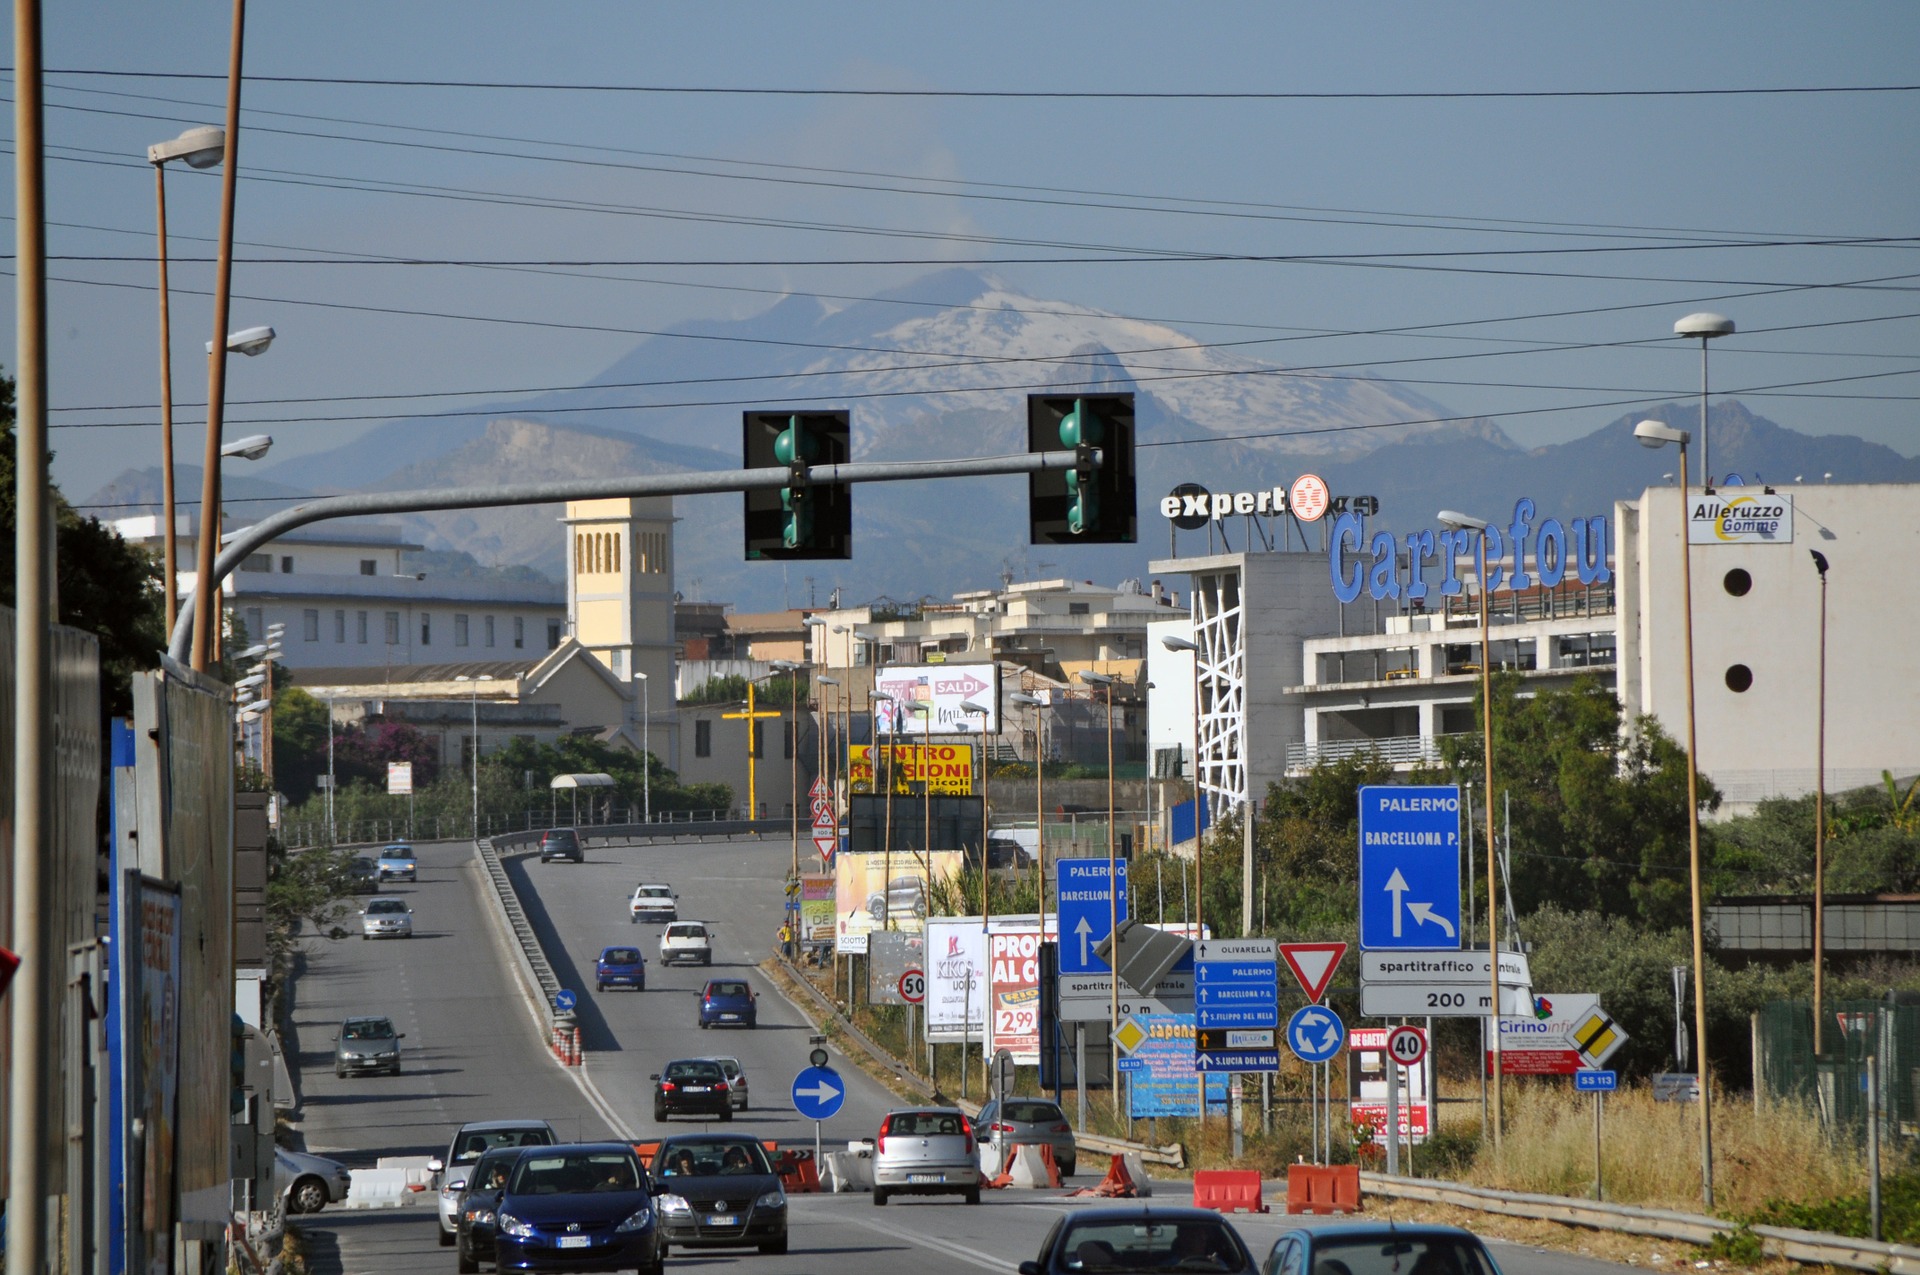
1407, 1045
913, 986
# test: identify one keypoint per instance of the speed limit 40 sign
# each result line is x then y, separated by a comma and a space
913, 986
1407, 1045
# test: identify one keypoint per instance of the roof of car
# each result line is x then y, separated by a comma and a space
398, 845
1159, 1213
483, 1126
1383, 1230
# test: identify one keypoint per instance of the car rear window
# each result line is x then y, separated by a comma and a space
697, 1072
1032, 1112
653, 892
621, 956
560, 836
926, 1124
1402, 1255
1149, 1245
726, 989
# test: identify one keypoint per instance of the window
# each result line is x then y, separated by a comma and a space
257, 562
426, 629
256, 625
459, 630
393, 628
619, 663
1079, 608
340, 626
553, 634
519, 632
360, 626
1739, 679
286, 565
310, 625
369, 566
792, 729
488, 625
703, 738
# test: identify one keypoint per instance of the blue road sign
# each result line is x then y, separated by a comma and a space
818, 1093
1409, 867
1589, 1080
1131, 1064
1236, 983
1237, 1060
1088, 906
1163, 1083
1236, 971
1315, 1033
565, 1000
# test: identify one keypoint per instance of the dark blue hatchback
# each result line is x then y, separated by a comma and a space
577, 1207
729, 1002
620, 967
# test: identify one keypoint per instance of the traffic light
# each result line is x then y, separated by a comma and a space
803, 519
1090, 503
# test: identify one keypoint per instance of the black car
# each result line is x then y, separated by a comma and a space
577, 1207
561, 843
1376, 1248
479, 1200
719, 1191
692, 1087
1133, 1238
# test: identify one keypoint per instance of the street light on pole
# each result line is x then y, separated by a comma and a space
200, 148
1039, 803
1659, 434
1113, 870
924, 711
972, 709
793, 754
1706, 326
1459, 522
873, 772
250, 342
1193, 649
473, 687
646, 747
1819, 826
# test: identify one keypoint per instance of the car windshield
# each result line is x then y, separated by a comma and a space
1148, 1244
572, 1172
477, 1142
367, 1029
621, 956
700, 1073
492, 1172
712, 1157
397, 852
727, 989
1401, 1255
381, 907
1032, 1112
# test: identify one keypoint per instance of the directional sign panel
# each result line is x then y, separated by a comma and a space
1236, 984
1315, 1033
1088, 903
1591, 1080
1409, 866
1237, 1060
818, 1093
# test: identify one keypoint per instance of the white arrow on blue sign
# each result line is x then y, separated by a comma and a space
1237, 1060
1409, 867
1315, 1033
564, 1000
818, 1093
1088, 908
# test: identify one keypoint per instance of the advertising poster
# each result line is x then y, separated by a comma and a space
1368, 1048
1165, 1084
949, 767
943, 688
1566, 1032
865, 894
1013, 978
956, 980
155, 1032
816, 909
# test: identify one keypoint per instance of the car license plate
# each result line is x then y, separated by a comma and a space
926, 1177
575, 1241
696, 1089
723, 1219
727, 1018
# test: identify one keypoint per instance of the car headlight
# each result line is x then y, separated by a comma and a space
637, 1220
774, 1199
511, 1225
673, 1203
480, 1217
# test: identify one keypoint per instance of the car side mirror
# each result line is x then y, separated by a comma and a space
1032, 1268
401, 1036
436, 1165
336, 1035
458, 1184
654, 1076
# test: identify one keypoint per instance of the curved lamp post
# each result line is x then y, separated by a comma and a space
981, 711
473, 689
1193, 649
1705, 325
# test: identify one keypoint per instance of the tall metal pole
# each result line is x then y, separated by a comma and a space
1819, 832
476, 760
793, 756
1113, 896
1693, 842
169, 550
1040, 811
1199, 800
332, 782
206, 619
1493, 910
31, 1019
646, 748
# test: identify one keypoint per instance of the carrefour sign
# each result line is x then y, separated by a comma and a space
1520, 556
1714, 519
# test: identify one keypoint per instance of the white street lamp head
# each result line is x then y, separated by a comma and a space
1705, 325
253, 680
1021, 697
1179, 644
1095, 679
968, 706
880, 695
811, 620
201, 147
1659, 434
252, 447
1461, 522
248, 341
251, 652
823, 680
919, 706
642, 676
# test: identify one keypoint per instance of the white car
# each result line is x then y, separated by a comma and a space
653, 903
386, 917
308, 1183
686, 941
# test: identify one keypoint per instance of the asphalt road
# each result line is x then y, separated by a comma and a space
472, 1052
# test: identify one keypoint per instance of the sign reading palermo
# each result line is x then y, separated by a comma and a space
1550, 550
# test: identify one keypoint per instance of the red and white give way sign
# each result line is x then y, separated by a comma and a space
913, 987
1407, 1045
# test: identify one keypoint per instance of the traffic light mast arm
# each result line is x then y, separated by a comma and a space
248, 540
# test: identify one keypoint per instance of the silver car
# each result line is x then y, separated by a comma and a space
926, 1151
736, 1079
1034, 1121
308, 1183
386, 918
470, 1142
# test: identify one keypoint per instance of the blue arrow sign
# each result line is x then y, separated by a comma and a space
818, 1093
1268, 1016
1409, 867
1088, 907
1237, 994
1238, 1060
1315, 1033
1588, 1080
1236, 971
564, 1000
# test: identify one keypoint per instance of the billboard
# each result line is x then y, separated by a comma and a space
1367, 1082
869, 887
150, 1062
1564, 1034
1164, 1082
943, 688
816, 909
1013, 985
948, 767
956, 979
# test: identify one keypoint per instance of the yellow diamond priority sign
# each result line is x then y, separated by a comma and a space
1130, 1035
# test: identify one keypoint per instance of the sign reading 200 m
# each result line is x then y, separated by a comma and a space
1541, 556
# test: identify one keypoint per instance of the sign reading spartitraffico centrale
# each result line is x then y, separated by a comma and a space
1520, 557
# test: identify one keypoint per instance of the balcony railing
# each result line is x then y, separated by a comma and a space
1395, 750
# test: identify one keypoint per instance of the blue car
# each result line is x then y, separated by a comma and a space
620, 967
577, 1207
1354, 1248
397, 863
729, 1002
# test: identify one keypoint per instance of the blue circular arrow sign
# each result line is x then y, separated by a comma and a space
1315, 1033
818, 1093
564, 1000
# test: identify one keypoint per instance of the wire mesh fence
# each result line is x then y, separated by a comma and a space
1857, 1034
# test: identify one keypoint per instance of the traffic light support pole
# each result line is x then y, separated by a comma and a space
250, 539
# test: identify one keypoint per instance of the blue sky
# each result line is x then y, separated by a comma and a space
1658, 176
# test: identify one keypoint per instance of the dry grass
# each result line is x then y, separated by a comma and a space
1650, 1151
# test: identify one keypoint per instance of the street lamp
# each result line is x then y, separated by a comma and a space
1039, 803
200, 148
924, 711
1706, 326
828, 760
248, 341
646, 747
1460, 522
1819, 824
474, 688
1113, 870
1659, 434
793, 754
873, 773
972, 709
1193, 649
252, 447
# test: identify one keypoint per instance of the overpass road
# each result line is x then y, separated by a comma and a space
472, 1052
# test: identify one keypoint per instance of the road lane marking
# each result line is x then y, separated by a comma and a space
950, 1249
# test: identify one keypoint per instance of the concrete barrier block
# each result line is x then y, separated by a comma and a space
1142, 1184
1029, 1167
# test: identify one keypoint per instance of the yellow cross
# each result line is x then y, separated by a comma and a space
753, 793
